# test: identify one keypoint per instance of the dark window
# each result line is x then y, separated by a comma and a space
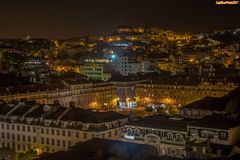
77, 134
52, 131
42, 130
29, 139
34, 139
69, 134
3, 135
2, 125
47, 131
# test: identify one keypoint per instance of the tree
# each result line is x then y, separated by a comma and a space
13, 58
173, 110
160, 110
28, 155
148, 109
7, 152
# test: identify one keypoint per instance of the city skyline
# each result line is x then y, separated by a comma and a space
65, 19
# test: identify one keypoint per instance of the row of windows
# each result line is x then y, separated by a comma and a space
180, 87
18, 127
161, 134
59, 132
18, 137
55, 142
47, 141
47, 131
180, 92
63, 133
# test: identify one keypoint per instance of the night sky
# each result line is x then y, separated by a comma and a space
69, 18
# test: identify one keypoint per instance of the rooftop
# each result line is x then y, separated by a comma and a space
216, 121
88, 116
55, 111
228, 103
161, 123
209, 103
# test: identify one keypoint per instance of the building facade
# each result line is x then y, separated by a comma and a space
168, 136
84, 95
212, 136
173, 92
125, 67
126, 93
51, 128
98, 72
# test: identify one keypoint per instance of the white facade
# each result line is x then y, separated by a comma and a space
23, 128
124, 67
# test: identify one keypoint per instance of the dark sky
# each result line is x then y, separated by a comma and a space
68, 18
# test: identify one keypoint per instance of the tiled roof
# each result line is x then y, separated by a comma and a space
216, 121
88, 116
161, 123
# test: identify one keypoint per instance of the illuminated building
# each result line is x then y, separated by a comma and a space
125, 67
36, 92
51, 128
213, 136
111, 39
83, 94
180, 91
212, 105
37, 70
167, 135
97, 72
205, 129
126, 92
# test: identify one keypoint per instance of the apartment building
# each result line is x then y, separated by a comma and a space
126, 67
213, 136
83, 93
167, 135
180, 91
216, 133
51, 128
97, 72
212, 105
